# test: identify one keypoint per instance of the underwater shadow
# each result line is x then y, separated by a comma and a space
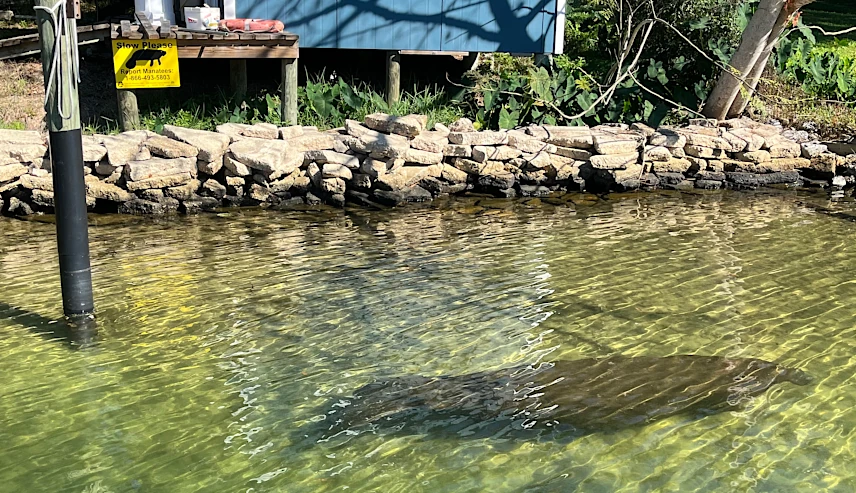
76, 334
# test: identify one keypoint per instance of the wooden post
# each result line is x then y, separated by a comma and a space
288, 99
238, 78
59, 65
543, 59
129, 113
393, 77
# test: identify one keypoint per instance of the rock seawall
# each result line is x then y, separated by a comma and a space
387, 160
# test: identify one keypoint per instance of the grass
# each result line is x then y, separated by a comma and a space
21, 96
13, 28
789, 103
206, 112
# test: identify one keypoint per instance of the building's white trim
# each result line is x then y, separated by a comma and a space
559, 39
229, 10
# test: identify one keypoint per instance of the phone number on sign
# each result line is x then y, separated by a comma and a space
148, 77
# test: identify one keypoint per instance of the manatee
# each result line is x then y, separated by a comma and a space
581, 396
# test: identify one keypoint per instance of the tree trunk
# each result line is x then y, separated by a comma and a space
754, 42
753, 77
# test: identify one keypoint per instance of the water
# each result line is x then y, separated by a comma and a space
220, 337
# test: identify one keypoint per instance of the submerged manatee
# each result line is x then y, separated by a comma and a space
582, 396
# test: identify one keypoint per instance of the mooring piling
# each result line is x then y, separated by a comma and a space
57, 32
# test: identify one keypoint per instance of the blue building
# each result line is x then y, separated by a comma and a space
513, 26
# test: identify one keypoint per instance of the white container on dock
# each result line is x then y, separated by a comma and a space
156, 10
202, 17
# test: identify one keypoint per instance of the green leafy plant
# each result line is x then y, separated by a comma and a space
821, 72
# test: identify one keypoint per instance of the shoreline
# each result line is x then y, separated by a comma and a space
387, 161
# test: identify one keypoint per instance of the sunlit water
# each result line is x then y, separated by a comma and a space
221, 338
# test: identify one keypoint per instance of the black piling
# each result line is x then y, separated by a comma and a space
57, 35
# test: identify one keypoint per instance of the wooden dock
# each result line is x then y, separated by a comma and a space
20, 46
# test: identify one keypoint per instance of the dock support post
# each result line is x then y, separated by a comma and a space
238, 79
129, 113
288, 98
66, 152
393, 77
543, 59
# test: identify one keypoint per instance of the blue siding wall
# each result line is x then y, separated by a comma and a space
521, 26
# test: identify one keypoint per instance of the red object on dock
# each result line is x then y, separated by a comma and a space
251, 25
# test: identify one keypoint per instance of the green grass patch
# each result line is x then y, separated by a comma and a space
321, 103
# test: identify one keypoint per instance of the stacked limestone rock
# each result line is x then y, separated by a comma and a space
389, 160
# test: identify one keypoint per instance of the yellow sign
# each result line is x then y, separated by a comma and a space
142, 63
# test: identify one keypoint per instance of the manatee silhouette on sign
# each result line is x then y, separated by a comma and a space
580, 396
150, 56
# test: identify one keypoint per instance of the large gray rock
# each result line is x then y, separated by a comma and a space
334, 170
160, 182
737, 144
783, 148
326, 156
411, 194
46, 199
703, 140
21, 137
415, 155
12, 153
373, 142
407, 176
19, 207
236, 168
373, 167
455, 150
311, 141
286, 133
213, 188
667, 138
210, 168
674, 165
614, 161
576, 137
105, 191
156, 167
495, 153
144, 207
752, 180
462, 125
611, 145
453, 175
9, 172
485, 138
333, 185
211, 145
656, 153
573, 153
408, 126
811, 150
165, 147
186, 192
37, 182
430, 141
271, 157
754, 156
261, 131
526, 143
93, 151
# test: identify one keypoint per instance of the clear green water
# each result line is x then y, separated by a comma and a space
221, 337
